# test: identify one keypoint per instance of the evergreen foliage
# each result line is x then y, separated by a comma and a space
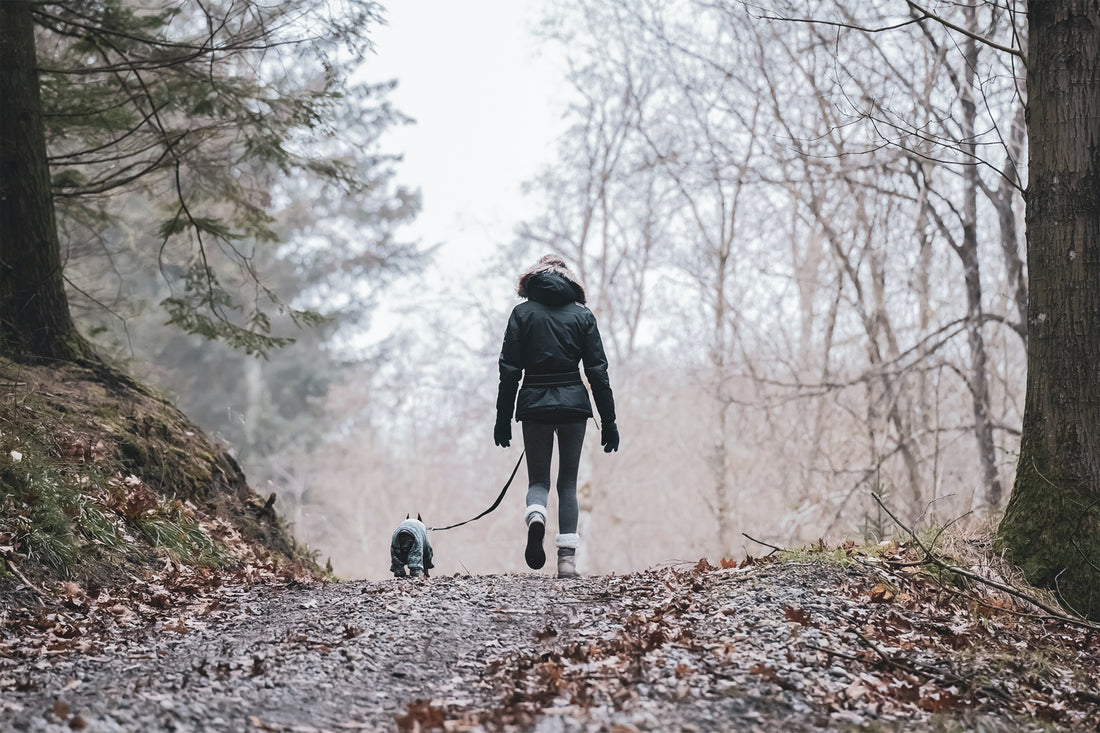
179, 130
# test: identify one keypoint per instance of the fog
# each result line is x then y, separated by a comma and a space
802, 243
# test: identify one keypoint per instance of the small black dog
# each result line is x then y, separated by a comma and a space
409, 546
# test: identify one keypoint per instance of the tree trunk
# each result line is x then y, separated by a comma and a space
1052, 525
1003, 201
972, 274
719, 459
34, 311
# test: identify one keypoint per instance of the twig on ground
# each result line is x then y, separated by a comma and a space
833, 652
765, 544
889, 659
930, 557
930, 673
23, 578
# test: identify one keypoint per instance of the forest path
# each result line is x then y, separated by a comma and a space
769, 647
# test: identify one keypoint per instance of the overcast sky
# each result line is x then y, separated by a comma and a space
486, 106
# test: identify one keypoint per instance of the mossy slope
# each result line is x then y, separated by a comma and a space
100, 477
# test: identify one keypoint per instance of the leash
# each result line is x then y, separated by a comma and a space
495, 503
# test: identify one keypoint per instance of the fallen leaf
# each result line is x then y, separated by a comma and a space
881, 594
797, 615
420, 715
178, 626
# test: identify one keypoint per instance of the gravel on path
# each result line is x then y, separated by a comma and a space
792, 646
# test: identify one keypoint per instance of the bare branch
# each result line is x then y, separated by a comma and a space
928, 15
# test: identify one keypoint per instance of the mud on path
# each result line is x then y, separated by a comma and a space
779, 646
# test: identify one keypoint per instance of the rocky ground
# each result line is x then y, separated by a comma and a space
803, 644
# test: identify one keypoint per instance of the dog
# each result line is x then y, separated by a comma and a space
409, 546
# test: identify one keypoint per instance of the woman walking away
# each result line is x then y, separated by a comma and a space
547, 336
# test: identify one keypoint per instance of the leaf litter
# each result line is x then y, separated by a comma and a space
871, 643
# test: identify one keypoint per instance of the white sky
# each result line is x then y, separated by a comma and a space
486, 111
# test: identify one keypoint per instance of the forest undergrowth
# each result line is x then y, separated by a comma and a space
103, 480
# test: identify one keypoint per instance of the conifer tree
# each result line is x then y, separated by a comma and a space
196, 110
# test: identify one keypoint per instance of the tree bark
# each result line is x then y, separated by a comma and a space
35, 321
719, 459
972, 274
1051, 527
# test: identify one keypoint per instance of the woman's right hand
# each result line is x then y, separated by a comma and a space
609, 437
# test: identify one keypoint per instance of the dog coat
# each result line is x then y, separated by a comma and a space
419, 557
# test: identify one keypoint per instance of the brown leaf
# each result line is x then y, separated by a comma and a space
420, 715
760, 669
61, 710
177, 626
78, 723
797, 615
881, 594
935, 700
855, 690
655, 639
70, 590
550, 677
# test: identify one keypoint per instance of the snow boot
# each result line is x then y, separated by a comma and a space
567, 555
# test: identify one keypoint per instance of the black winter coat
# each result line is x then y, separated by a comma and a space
547, 336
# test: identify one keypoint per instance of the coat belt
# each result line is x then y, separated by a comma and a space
556, 379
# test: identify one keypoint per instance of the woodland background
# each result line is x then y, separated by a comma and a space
803, 244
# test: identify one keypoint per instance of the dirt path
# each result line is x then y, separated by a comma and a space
782, 646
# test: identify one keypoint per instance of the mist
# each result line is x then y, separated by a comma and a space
802, 244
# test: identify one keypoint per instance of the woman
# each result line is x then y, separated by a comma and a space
547, 336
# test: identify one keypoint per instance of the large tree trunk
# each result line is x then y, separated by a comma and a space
34, 311
1052, 525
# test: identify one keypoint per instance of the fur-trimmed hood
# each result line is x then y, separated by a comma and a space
551, 282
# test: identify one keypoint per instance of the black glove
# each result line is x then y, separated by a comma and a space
502, 433
609, 438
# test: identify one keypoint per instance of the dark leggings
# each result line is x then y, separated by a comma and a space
538, 441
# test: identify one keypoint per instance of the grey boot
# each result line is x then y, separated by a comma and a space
567, 555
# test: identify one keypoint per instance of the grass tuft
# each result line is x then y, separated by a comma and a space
56, 511
168, 526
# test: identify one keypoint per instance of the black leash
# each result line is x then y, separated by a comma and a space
495, 503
